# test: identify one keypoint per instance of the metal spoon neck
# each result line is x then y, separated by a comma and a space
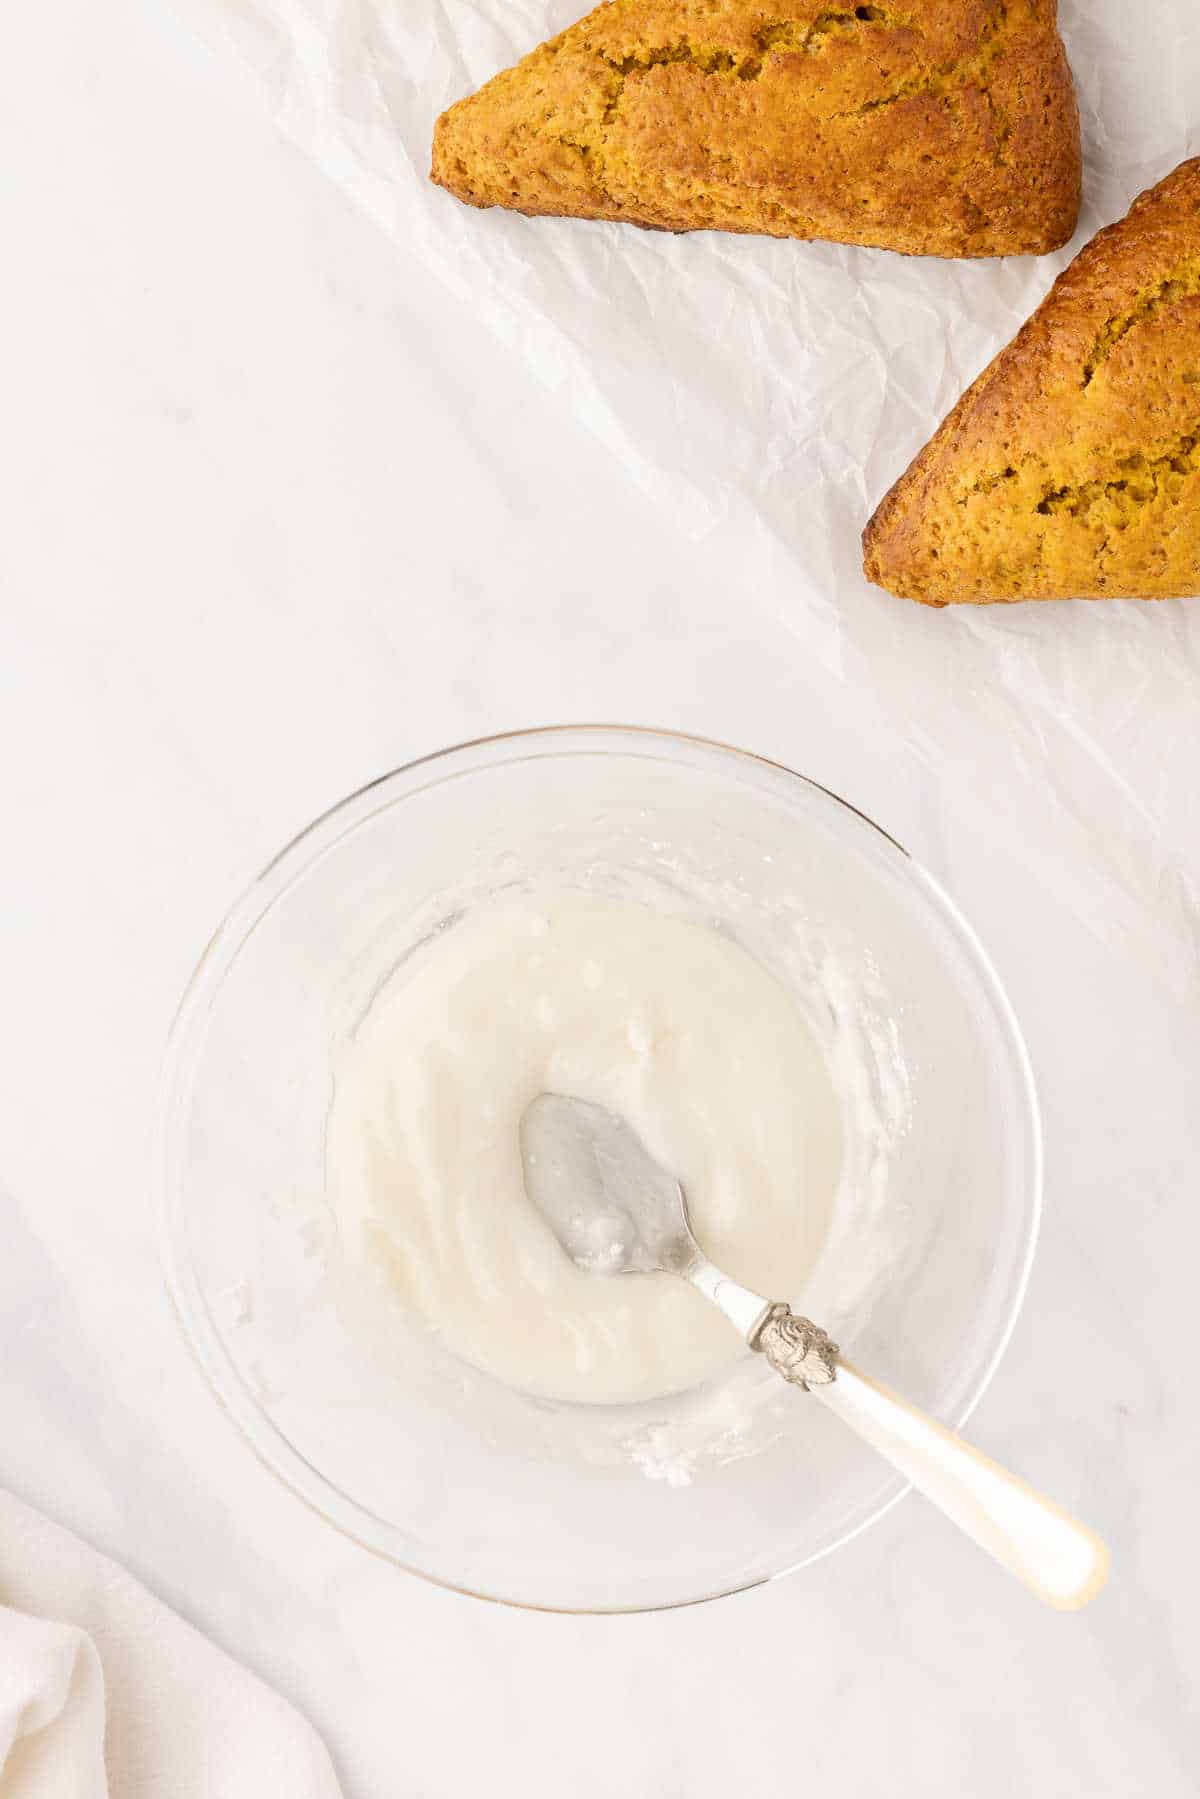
743, 1308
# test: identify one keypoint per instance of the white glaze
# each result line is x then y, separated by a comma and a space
663, 1020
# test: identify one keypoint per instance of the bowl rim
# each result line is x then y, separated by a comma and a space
267, 1441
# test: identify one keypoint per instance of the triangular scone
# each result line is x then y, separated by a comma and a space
1071, 469
936, 127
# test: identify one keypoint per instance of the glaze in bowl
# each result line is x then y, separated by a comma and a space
361, 1410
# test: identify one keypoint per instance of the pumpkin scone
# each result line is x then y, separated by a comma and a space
934, 127
1071, 469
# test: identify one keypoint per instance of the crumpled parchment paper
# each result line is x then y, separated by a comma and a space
774, 390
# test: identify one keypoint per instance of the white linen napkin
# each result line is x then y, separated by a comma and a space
106, 1694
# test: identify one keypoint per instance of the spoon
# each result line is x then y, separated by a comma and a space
615, 1211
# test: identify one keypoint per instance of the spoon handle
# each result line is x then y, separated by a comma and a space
1058, 1559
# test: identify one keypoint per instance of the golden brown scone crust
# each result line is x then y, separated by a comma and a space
1071, 469
935, 127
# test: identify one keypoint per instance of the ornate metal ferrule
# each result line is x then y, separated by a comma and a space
796, 1347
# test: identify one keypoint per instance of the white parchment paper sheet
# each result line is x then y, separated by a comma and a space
775, 390
788, 382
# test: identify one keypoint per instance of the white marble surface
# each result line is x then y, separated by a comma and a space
279, 517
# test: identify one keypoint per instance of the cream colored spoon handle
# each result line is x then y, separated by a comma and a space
1058, 1559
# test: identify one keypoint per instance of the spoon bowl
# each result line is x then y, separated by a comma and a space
611, 1206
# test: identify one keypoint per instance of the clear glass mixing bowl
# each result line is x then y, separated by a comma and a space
594, 1508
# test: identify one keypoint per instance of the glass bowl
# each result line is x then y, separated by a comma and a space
428, 1461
